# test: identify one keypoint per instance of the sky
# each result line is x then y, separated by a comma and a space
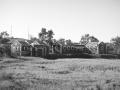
69, 19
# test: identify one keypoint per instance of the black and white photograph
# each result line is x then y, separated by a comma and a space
59, 44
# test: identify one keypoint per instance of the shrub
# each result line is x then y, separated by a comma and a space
108, 56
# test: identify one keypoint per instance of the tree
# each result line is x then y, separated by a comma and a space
62, 41
33, 38
49, 38
3, 37
93, 39
42, 34
43, 31
4, 34
68, 42
50, 34
116, 42
86, 38
46, 36
4, 40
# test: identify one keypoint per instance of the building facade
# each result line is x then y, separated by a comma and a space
19, 48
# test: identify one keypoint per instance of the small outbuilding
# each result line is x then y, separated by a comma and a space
39, 49
19, 47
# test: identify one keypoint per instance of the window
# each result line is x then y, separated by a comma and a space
24, 48
68, 47
17, 48
72, 48
64, 48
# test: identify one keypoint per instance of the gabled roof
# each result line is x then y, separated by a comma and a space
11, 41
24, 43
57, 43
38, 42
29, 41
83, 42
20, 40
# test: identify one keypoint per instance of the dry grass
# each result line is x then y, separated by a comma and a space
61, 74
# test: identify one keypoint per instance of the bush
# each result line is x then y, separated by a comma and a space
108, 56
56, 56
52, 56
118, 56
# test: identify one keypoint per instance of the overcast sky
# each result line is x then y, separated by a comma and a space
69, 19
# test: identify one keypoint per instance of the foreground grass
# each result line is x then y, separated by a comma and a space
62, 74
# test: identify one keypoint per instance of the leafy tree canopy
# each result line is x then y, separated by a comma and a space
86, 38
4, 37
68, 42
62, 41
116, 41
33, 38
45, 35
4, 34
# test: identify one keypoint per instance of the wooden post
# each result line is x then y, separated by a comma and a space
52, 50
31, 51
42, 51
60, 50
20, 51
45, 51
97, 48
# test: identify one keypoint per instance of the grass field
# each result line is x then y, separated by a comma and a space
33, 73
